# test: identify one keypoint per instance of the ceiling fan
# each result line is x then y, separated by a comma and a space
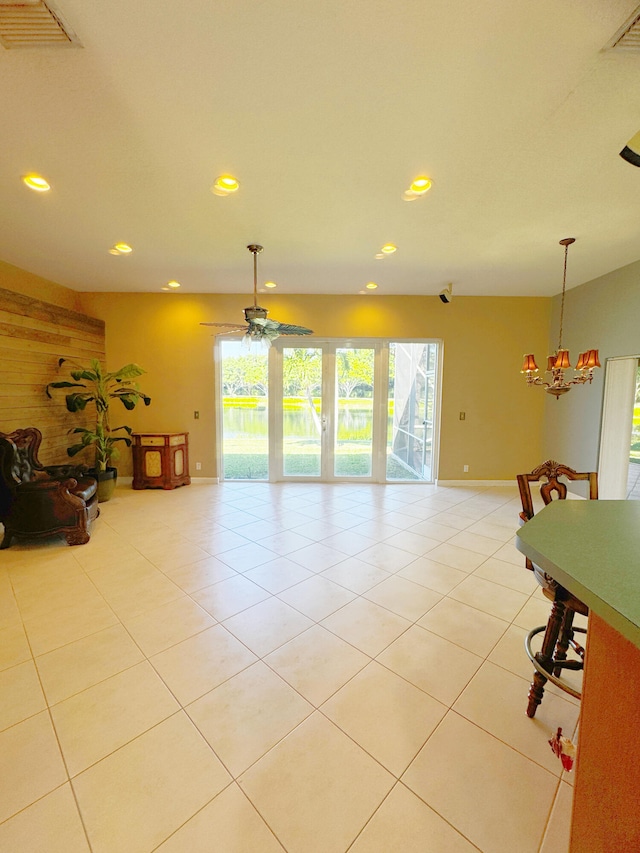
259, 328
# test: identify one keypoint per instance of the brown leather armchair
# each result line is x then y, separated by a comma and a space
42, 501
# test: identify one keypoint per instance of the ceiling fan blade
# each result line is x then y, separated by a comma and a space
233, 327
289, 329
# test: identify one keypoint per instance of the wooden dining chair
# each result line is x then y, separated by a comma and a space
559, 632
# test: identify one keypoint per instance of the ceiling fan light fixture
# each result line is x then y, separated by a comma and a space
270, 284
372, 286
389, 248
174, 285
260, 329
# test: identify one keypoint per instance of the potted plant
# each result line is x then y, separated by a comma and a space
100, 388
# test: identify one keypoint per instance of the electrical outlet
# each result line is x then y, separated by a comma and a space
463, 415
466, 469
196, 415
198, 466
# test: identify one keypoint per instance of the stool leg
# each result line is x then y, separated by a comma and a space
566, 635
545, 655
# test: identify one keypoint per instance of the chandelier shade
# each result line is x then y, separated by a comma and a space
559, 361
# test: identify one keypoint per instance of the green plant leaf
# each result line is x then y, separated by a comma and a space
124, 438
78, 402
75, 448
62, 385
129, 371
84, 374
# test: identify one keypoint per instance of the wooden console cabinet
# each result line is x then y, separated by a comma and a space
160, 460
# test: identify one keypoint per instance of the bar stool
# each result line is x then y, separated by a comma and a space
559, 632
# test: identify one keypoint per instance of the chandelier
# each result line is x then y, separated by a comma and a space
559, 361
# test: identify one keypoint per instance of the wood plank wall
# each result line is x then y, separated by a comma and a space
33, 336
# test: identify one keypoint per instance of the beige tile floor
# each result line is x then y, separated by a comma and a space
248, 668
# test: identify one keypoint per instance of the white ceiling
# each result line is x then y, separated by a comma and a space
325, 111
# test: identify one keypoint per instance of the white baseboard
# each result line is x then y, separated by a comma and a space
198, 481
487, 484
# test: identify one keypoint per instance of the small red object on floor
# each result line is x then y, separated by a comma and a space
564, 749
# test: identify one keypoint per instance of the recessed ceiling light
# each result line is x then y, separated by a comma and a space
409, 195
165, 288
389, 248
121, 249
225, 185
173, 284
36, 182
372, 285
270, 284
420, 185
379, 256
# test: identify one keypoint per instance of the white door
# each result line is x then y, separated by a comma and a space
325, 424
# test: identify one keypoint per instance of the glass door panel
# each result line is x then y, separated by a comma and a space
412, 388
245, 433
302, 426
633, 483
354, 415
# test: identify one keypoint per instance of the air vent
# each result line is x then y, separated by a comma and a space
33, 23
628, 36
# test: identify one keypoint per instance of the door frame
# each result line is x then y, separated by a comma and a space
329, 346
380, 411
618, 403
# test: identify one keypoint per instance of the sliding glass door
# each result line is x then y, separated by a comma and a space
323, 425
326, 410
412, 396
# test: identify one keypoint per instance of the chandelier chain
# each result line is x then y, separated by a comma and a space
564, 283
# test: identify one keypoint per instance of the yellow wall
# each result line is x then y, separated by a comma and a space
28, 284
484, 339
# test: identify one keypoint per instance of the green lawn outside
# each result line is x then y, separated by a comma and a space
245, 458
255, 467
635, 446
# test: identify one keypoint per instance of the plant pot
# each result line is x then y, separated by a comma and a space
106, 482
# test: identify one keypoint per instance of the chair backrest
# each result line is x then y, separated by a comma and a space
548, 475
18, 458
